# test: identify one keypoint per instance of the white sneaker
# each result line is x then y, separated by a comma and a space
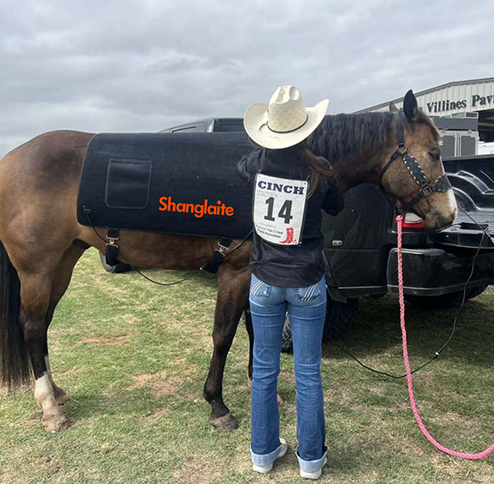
268, 467
313, 475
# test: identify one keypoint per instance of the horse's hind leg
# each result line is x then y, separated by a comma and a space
41, 289
61, 281
35, 300
61, 396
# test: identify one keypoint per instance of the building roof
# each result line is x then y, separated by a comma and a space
428, 91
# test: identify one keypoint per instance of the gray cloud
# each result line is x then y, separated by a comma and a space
146, 65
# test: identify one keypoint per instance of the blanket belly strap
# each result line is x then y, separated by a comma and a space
218, 256
112, 234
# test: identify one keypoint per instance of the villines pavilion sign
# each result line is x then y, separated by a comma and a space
477, 103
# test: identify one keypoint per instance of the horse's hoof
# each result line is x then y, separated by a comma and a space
62, 397
56, 422
225, 422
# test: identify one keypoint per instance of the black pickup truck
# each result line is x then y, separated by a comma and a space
360, 243
360, 248
436, 264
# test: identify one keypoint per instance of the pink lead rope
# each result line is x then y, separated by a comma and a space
480, 455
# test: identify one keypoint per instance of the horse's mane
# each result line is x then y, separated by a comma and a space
344, 135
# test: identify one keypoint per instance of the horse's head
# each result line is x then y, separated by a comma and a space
412, 170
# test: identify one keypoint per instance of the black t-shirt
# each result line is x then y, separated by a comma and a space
291, 265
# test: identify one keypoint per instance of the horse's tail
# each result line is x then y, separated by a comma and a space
14, 362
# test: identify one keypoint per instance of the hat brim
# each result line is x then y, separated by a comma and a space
255, 123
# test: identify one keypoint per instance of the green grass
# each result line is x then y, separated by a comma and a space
134, 357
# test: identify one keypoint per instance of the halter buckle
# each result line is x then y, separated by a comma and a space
426, 190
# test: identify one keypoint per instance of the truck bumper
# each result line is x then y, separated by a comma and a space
433, 272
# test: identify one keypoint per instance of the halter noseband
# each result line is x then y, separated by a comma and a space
442, 184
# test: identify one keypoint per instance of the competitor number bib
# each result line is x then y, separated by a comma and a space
279, 209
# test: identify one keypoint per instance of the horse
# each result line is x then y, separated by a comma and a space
41, 240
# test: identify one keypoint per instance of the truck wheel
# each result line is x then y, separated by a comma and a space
477, 291
339, 319
339, 322
117, 269
286, 339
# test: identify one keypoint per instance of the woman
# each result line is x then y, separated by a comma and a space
290, 186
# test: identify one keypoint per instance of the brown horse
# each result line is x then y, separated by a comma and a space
41, 240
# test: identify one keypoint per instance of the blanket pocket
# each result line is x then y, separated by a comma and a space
128, 184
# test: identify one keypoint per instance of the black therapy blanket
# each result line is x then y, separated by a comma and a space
125, 175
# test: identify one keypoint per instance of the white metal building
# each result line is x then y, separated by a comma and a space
456, 100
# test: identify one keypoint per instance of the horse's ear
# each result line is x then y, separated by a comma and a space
392, 107
410, 105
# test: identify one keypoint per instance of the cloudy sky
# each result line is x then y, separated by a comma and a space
144, 65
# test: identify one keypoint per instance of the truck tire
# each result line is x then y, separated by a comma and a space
477, 291
286, 339
446, 301
339, 322
339, 319
117, 269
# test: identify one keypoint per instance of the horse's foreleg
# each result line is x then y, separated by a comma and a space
232, 300
35, 300
250, 332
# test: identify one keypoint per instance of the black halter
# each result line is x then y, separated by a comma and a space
442, 184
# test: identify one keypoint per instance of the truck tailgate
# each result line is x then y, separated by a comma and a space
473, 183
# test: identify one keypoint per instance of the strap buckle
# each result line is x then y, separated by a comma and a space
112, 249
426, 190
221, 248
112, 235
218, 255
112, 240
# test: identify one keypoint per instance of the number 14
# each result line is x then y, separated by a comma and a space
284, 213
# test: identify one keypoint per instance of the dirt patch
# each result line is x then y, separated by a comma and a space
155, 416
179, 362
399, 407
161, 384
10, 477
109, 340
196, 470
377, 391
49, 466
455, 423
164, 388
145, 378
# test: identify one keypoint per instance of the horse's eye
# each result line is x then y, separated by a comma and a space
435, 155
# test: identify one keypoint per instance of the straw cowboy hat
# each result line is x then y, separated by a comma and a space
285, 121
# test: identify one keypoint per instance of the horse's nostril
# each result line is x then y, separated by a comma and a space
445, 220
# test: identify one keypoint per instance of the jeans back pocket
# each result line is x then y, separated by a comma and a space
308, 293
260, 288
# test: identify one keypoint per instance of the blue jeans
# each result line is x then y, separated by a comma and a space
307, 309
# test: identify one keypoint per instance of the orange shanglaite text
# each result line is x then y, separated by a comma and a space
199, 210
